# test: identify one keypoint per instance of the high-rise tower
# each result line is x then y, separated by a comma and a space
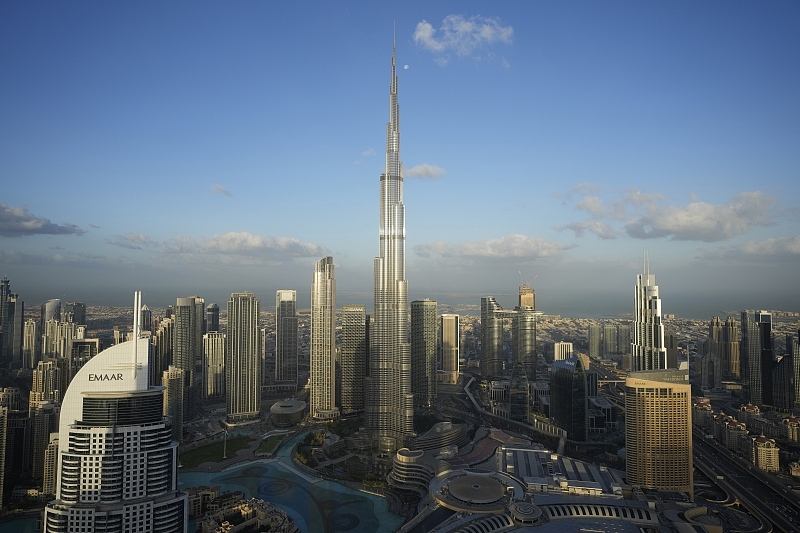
658, 430
286, 324
243, 358
353, 357
389, 408
117, 462
450, 347
647, 348
323, 342
423, 351
491, 338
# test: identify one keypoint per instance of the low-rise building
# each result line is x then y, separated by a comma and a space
247, 514
765, 454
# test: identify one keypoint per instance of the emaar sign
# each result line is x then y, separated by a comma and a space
105, 377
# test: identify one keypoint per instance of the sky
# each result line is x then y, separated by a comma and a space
211, 147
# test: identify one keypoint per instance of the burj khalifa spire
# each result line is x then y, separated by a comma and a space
389, 408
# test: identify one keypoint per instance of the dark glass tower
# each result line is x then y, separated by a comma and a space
491, 338
423, 351
569, 402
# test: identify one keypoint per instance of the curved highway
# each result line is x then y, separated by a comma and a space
769, 501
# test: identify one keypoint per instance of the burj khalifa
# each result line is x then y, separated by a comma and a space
389, 409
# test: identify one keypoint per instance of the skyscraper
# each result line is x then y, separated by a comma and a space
658, 430
322, 394
610, 341
243, 358
389, 409
648, 352
595, 341
147, 319
286, 338
5, 293
3, 438
569, 398
527, 296
214, 364
185, 341
46, 383
161, 350
117, 462
30, 344
75, 312
423, 351
730, 348
212, 318
523, 339
51, 310
562, 350
174, 399
518, 394
44, 420
624, 335
353, 357
491, 338
450, 347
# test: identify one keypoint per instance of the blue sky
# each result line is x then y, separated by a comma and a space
214, 147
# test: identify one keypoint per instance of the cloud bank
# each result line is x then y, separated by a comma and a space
132, 241
19, 222
648, 216
772, 249
235, 246
509, 246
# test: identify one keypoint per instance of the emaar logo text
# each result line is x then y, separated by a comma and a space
105, 377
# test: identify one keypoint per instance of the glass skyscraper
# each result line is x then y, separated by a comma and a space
389, 408
286, 338
423, 351
323, 342
569, 402
648, 351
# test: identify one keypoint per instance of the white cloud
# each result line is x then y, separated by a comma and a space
19, 221
133, 241
649, 216
462, 36
601, 229
593, 205
231, 247
426, 171
219, 189
368, 153
509, 246
700, 221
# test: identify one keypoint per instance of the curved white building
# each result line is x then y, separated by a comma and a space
117, 460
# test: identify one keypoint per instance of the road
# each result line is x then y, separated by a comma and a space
768, 500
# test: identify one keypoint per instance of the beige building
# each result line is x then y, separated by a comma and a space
765, 454
322, 381
658, 434
50, 459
